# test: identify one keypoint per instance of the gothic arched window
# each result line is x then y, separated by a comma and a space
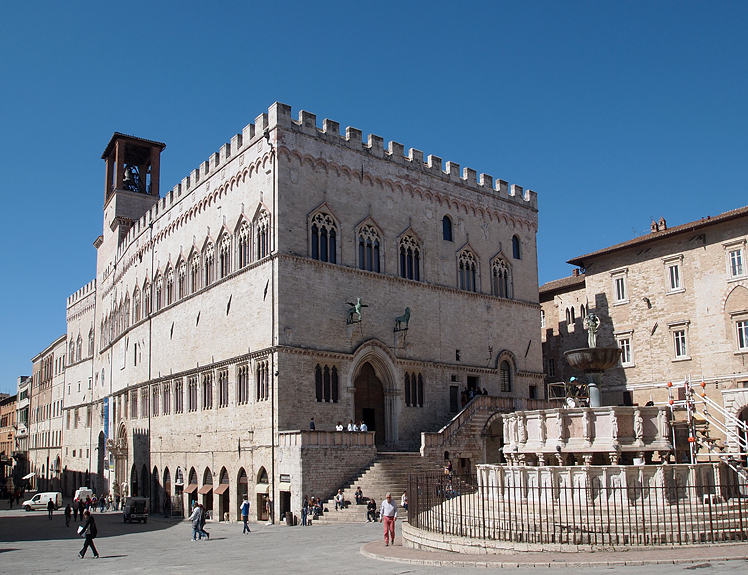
208, 264
502, 281
262, 235
182, 280
369, 248
242, 240
324, 238
169, 286
505, 376
468, 274
194, 273
410, 259
225, 255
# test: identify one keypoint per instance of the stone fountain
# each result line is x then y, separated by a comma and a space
593, 360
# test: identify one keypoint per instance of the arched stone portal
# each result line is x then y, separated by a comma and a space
374, 385
369, 401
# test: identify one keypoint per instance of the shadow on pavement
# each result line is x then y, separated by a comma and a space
35, 526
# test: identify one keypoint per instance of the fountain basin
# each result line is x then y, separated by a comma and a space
593, 359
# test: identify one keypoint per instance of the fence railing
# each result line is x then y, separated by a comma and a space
578, 515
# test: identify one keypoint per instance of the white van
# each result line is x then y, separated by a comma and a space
82, 494
40, 500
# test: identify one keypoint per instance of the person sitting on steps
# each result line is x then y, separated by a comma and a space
358, 496
371, 511
339, 500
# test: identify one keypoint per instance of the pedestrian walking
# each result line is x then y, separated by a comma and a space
75, 511
311, 424
388, 516
88, 530
304, 510
68, 513
245, 515
195, 519
203, 518
81, 508
50, 508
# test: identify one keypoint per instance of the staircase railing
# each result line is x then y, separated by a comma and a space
480, 403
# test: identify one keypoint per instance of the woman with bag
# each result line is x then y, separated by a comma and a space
88, 529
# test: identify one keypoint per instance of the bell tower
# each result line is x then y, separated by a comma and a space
133, 168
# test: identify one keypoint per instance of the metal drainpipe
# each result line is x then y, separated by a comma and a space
273, 504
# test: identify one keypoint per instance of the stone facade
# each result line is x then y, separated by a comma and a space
224, 313
45, 416
677, 300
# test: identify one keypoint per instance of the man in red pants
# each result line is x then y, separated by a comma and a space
388, 516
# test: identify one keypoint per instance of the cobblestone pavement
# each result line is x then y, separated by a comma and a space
31, 544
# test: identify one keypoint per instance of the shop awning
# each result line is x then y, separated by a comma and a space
190, 488
29, 476
262, 488
284, 486
205, 489
221, 489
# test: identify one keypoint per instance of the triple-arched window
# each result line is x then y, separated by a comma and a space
413, 390
501, 279
242, 242
208, 264
468, 271
324, 238
224, 255
262, 234
369, 248
410, 258
326, 383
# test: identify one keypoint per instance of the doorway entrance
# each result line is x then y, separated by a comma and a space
369, 401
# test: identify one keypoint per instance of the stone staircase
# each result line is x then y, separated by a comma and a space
388, 473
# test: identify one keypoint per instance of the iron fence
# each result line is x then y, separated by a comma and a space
580, 515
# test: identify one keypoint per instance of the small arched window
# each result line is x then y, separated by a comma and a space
447, 228
516, 252
505, 375
262, 234
542, 318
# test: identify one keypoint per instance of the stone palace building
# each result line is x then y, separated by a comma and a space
297, 273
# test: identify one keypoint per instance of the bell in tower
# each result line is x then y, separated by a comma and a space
132, 164
132, 180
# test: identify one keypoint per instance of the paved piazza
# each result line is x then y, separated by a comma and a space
31, 544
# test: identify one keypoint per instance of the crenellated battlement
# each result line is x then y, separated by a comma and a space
86, 290
280, 115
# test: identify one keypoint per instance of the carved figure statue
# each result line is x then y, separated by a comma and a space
559, 425
638, 424
613, 425
664, 424
355, 310
522, 429
586, 426
403, 319
514, 429
592, 324
541, 427
505, 422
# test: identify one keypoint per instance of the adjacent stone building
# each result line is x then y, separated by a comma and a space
676, 302
45, 416
295, 274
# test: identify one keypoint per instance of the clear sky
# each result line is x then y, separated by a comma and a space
613, 112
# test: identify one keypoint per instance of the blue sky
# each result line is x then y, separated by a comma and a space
614, 113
